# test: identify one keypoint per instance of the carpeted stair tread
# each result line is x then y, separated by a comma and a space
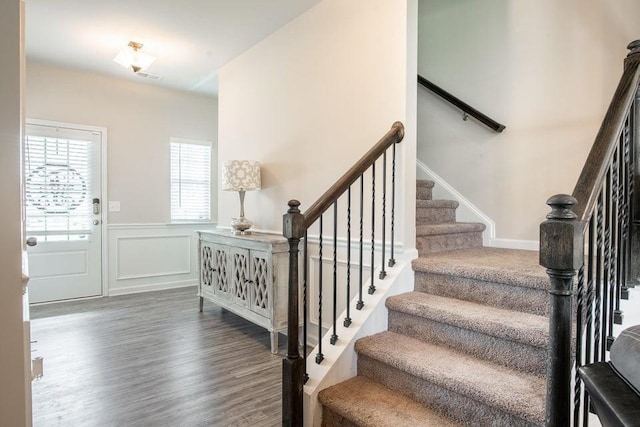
449, 228
524, 328
437, 204
424, 189
425, 183
512, 392
506, 266
366, 403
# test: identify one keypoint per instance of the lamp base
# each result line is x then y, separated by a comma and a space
241, 225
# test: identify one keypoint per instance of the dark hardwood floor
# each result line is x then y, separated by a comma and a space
152, 359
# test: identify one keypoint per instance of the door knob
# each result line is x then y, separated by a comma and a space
32, 241
96, 222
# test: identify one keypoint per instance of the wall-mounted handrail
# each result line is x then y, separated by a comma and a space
466, 108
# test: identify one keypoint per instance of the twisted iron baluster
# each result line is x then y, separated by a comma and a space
347, 320
577, 386
319, 355
616, 220
392, 260
598, 355
383, 272
629, 172
607, 302
589, 311
372, 287
305, 314
360, 303
334, 336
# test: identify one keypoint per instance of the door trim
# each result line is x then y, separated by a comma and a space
104, 256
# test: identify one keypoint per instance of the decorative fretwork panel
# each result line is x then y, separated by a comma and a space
240, 273
240, 276
220, 277
206, 268
260, 283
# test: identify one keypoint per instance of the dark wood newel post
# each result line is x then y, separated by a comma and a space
562, 253
293, 364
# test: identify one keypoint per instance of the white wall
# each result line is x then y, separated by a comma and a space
545, 69
145, 252
15, 392
140, 118
311, 99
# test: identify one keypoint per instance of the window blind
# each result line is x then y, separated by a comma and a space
57, 186
190, 182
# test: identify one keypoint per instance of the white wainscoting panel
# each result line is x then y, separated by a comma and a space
152, 256
147, 257
327, 289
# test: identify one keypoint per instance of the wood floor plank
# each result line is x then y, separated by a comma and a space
152, 359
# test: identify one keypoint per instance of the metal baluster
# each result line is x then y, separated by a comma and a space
383, 272
618, 189
589, 318
347, 320
305, 297
598, 355
392, 260
628, 193
607, 301
577, 386
372, 286
334, 336
624, 180
360, 303
319, 355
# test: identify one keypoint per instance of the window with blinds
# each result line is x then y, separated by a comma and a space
190, 181
57, 188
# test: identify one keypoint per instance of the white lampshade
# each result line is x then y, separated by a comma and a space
239, 175
132, 57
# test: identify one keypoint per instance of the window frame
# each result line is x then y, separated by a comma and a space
195, 142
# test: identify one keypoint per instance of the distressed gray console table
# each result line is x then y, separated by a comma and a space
246, 275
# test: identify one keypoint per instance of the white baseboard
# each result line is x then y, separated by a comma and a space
467, 211
154, 287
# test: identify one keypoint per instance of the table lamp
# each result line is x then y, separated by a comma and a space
241, 176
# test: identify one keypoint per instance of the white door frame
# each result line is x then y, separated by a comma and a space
103, 188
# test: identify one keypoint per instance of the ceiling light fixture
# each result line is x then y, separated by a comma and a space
131, 57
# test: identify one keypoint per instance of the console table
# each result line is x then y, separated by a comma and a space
247, 275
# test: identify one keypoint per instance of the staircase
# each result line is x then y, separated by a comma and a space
467, 347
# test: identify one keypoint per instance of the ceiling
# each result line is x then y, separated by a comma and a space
191, 39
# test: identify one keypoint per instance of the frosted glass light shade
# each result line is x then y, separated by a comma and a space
132, 57
240, 175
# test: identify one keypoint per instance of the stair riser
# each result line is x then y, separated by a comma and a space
435, 215
515, 355
424, 193
463, 409
446, 242
527, 300
331, 419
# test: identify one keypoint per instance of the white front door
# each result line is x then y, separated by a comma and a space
63, 209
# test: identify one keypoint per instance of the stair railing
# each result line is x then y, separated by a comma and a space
596, 233
467, 110
295, 226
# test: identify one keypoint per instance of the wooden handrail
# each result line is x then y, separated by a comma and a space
594, 235
468, 109
395, 135
593, 173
